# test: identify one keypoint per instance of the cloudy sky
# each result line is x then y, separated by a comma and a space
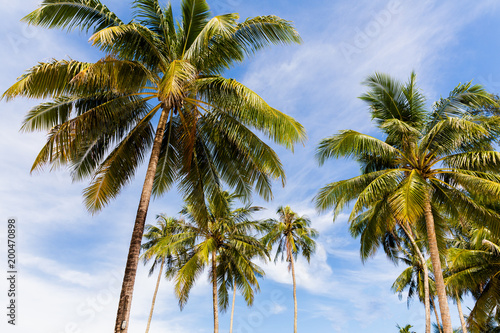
72, 262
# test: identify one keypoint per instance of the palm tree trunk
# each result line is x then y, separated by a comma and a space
154, 295
436, 264
232, 308
426, 278
214, 292
294, 295
125, 302
461, 314
438, 322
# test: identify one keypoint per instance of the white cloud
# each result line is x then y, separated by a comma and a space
277, 309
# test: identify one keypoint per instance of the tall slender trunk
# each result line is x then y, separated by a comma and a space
232, 308
154, 295
436, 264
214, 292
461, 314
294, 295
427, 305
123, 314
438, 322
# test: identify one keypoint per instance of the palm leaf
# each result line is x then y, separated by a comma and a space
72, 14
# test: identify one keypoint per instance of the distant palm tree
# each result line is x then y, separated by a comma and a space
476, 269
156, 69
413, 279
161, 254
405, 329
231, 277
428, 161
293, 235
377, 227
226, 241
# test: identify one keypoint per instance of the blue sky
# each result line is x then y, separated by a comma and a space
72, 262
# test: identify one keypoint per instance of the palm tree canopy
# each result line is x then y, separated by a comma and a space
405, 329
292, 234
231, 234
99, 115
157, 246
474, 267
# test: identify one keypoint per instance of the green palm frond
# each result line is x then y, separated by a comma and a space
258, 32
117, 76
150, 14
195, 14
354, 144
461, 101
217, 28
339, 194
380, 187
246, 106
135, 42
47, 115
474, 161
120, 165
390, 99
72, 14
45, 80
408, 200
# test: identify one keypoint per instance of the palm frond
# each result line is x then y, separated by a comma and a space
72, 14
350, 143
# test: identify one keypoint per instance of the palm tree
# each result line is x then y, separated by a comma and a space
293, 235
405, 329
163, 255
413, 278
226, 242
231, 277
427, 162
377, 226
100, 117
474, 269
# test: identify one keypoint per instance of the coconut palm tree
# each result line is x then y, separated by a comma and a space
428, 161
405, 329
231, 277
293, 235
474, 268
377, 227
226, 241
164, 255
100, 117
413, 280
